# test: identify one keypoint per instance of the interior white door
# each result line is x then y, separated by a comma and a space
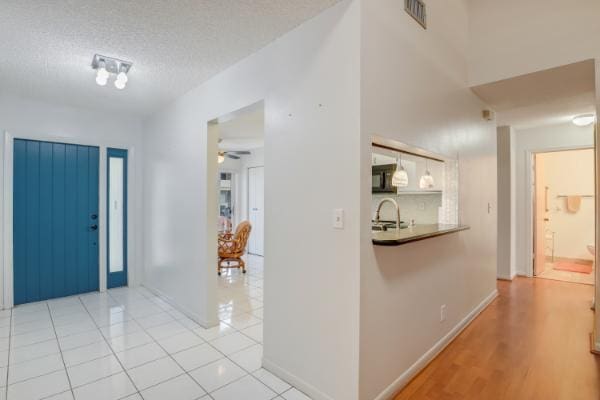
256, 212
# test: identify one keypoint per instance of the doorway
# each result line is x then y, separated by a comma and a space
55, 220
240, 201
564, 215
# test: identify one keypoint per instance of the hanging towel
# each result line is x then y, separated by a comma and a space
573, 203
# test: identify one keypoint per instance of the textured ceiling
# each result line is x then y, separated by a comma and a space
47, 45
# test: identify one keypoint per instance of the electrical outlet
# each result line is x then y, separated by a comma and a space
443, 313
422, 206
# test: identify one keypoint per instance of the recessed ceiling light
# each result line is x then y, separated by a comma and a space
584, 120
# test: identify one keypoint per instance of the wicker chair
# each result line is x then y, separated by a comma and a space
233, 246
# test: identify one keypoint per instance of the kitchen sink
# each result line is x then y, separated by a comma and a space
386, 226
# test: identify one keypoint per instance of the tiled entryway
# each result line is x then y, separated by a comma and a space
129, 344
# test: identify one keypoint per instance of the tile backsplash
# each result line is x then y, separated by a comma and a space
424, 208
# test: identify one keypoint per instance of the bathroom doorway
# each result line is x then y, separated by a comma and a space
564, 215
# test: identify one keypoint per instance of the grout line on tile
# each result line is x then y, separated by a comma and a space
113, 354
61, 354
8, 353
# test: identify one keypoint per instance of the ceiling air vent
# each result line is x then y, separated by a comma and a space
416, 9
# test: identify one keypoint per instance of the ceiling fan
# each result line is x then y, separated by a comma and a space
235, 155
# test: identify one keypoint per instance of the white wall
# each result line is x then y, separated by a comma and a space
597, 140
414, 90
570, 173
515, 37
507, 217
528, 141
310, 331
39, 120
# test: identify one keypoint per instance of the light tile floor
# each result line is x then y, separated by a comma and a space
129, 344
567, 276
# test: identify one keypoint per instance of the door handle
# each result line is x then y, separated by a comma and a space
93, 227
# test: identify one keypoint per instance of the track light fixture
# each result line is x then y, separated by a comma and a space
107, 66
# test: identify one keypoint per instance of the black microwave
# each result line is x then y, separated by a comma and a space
381, 178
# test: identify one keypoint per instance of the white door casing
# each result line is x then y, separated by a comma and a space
256, 212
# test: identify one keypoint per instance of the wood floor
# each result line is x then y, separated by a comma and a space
531, 343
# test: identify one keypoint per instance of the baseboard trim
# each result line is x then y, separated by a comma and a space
505, 277
293, 380
190, 314
432, 353
594, 347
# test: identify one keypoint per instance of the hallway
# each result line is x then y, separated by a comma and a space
531, 343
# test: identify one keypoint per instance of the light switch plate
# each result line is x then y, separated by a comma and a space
338, 218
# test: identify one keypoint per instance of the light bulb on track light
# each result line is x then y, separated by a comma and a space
102, 74
101, 81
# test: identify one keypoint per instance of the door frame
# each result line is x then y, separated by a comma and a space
248, 204
7, 295
530, 201
123, 154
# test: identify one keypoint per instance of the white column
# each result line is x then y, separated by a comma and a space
506, 203
597, 145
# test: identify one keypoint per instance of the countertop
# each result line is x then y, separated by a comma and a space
393, 237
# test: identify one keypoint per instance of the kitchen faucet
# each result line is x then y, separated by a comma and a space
396, 206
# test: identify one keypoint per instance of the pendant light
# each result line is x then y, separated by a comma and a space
426, 181
400, 177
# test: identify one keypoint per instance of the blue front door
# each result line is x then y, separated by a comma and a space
55, 220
